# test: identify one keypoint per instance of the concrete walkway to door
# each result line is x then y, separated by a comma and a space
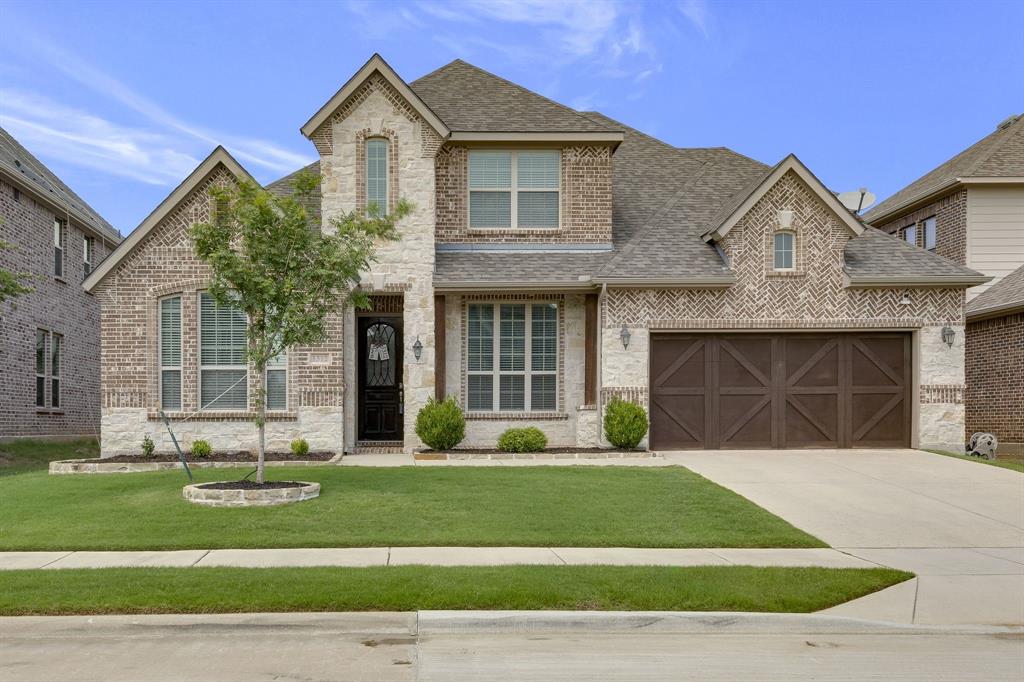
958, 525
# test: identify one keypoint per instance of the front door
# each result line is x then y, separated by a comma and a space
380, 378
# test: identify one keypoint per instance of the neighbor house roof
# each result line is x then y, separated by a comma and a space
29, 172
998, 155
1002, 298
875, 258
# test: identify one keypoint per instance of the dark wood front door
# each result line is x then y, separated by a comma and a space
780, 390
380, 378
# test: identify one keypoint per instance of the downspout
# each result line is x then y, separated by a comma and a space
600, 363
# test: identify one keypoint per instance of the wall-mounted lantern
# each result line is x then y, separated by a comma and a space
417, 349
624, 336
948, 335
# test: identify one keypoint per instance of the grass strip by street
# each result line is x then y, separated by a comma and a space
409, 588
578, 506
1004, 462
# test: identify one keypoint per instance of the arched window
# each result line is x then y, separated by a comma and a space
377, 176
784, 250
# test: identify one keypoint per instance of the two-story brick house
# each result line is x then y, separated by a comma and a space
555, 258
970, 210
49, 338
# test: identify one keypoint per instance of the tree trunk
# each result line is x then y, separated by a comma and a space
262, 421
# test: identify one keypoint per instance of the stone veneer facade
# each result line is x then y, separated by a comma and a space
57, 305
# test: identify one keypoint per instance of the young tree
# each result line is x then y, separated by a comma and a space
271, 260
12, 284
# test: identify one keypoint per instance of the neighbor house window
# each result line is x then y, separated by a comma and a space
170, 353
222, 365
59, 233
41, 368
55, 363
17, 194
510, 189
929, 233
277, 382
377, 176
512, 357
783, 250
88, 249
910, 234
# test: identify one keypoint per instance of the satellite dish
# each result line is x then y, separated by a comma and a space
857, 201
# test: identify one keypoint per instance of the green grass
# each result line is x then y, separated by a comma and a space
408, 506
23, 455
1015, 464
407, 588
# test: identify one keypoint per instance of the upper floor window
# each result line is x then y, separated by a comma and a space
784, 246
17, 194
60, 228
170, 353
910, 234
88, 251
514, 189
223, 371
377, 176
929, 233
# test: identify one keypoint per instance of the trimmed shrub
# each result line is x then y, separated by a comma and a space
300, 448
441, 425
201, 448
147, 447
625, 423
530, 439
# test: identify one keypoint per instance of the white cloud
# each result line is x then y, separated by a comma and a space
78, 137
699, 14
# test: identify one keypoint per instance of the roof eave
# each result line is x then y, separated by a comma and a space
901, 280
995, 311
613, 138
469, 286
84, 219
710, 282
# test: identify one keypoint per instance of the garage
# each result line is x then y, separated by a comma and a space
780, 390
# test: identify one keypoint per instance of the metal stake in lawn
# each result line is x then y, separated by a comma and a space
181, 455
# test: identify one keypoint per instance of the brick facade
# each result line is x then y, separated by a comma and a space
586, 200
995, 379
58, 305
950, 214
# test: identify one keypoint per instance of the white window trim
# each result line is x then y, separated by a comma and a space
775, 264
60, 228
88, 245
160, 349
387, 172
527, 372
907, 230
202, 367
41, 405
56, 346
935, 233
513, 190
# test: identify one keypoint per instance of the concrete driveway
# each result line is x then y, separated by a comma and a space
958, 525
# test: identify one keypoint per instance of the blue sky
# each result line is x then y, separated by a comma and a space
123, 99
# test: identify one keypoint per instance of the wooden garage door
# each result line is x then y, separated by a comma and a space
780, 390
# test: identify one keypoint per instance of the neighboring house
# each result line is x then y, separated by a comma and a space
971, 211
50, 337
555, 259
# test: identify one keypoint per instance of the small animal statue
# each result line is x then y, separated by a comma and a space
983, 445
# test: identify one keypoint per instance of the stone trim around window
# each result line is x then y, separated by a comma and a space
493, 415
361, 137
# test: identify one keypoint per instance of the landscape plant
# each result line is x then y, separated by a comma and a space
441, 424
201, 448
625, 423
529, 439
269, 258
148, 448
300, 447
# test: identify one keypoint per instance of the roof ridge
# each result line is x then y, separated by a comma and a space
995, 146
439, 69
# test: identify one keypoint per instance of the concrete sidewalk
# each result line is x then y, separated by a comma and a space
437, 556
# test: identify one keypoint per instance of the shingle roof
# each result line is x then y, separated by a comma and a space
516, 266
469, 99
1005, 295
999, 154
876, 254
286, 185
20, 163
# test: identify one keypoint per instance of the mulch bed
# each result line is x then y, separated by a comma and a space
252, 485
494, 451
229, 456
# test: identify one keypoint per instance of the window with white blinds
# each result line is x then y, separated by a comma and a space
517, 189
170, 353
522, 374
377, 176
56, 355
222, 363
277, 382
41, 335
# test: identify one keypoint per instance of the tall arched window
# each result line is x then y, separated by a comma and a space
377, 176
784, 250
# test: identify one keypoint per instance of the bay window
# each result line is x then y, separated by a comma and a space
514, 189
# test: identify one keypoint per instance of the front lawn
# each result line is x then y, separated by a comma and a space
410, 506
1013, 462
408, 588
30, 454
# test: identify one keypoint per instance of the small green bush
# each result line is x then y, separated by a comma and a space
300, 448
530, 439
201, 448
441, 425
147, 447
625, 423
